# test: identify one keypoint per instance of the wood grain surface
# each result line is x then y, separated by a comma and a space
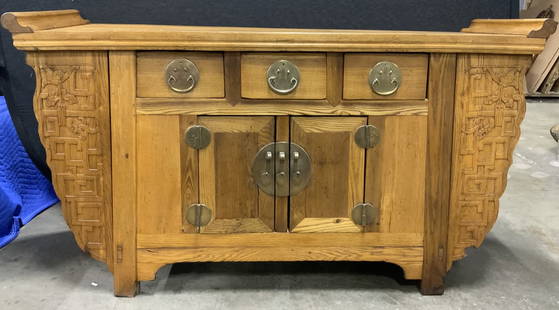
29, 22
395, 173
338, 174
151, 74
442, 81
312, 72
413, 68
71, 104
489, 108
226, 185
162, 37
122, 66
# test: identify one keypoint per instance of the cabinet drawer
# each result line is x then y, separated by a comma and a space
309, 84
413, 79
152, 80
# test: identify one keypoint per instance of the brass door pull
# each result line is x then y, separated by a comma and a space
295, 160
292, 173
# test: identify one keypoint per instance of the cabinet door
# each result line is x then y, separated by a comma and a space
225, 182
396, 173
337, 174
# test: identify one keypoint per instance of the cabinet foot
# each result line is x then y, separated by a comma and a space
126, 288
432, 286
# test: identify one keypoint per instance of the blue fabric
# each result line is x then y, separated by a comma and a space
24, 191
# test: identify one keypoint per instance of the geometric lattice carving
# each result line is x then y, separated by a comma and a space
489, 108
68, 107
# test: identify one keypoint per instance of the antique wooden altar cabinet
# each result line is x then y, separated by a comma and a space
185, 144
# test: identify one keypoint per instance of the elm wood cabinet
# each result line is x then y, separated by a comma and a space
183, 144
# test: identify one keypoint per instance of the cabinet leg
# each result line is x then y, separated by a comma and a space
125, 286
432, 285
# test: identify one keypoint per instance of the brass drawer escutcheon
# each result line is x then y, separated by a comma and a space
283, 77
182, 75
281, 169
385, 78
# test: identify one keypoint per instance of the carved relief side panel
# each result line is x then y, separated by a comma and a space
72, 107
489, 108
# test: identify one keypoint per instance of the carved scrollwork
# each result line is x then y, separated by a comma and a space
487, 120
69, 109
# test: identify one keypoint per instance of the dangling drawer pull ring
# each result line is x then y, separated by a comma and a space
385, 78
182, 75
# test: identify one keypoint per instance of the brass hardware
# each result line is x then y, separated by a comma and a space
197, 215
283, 77
277, 173
119, 250
300, 171
365, 214
182, 75
385, 78
197, 136
281, 186
367, 136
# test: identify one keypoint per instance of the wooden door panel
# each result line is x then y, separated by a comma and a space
159, 174
225, 182
338, 173
395, 176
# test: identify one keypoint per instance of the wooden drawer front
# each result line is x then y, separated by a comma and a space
312, 69
151, 74
413, 68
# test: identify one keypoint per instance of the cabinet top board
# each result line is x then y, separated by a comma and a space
67, 30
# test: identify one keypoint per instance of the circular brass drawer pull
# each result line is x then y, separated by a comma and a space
283, 77
182, 75
385, 78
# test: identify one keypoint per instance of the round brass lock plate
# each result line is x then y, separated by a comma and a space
283, 77
367, 136
197, 136
198, 215
385, 78
182, 75
365, 214
281, 169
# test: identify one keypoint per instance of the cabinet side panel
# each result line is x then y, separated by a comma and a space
71, 104
489, 108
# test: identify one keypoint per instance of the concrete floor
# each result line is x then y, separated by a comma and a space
516, 268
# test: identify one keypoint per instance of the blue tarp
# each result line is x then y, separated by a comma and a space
24, 191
